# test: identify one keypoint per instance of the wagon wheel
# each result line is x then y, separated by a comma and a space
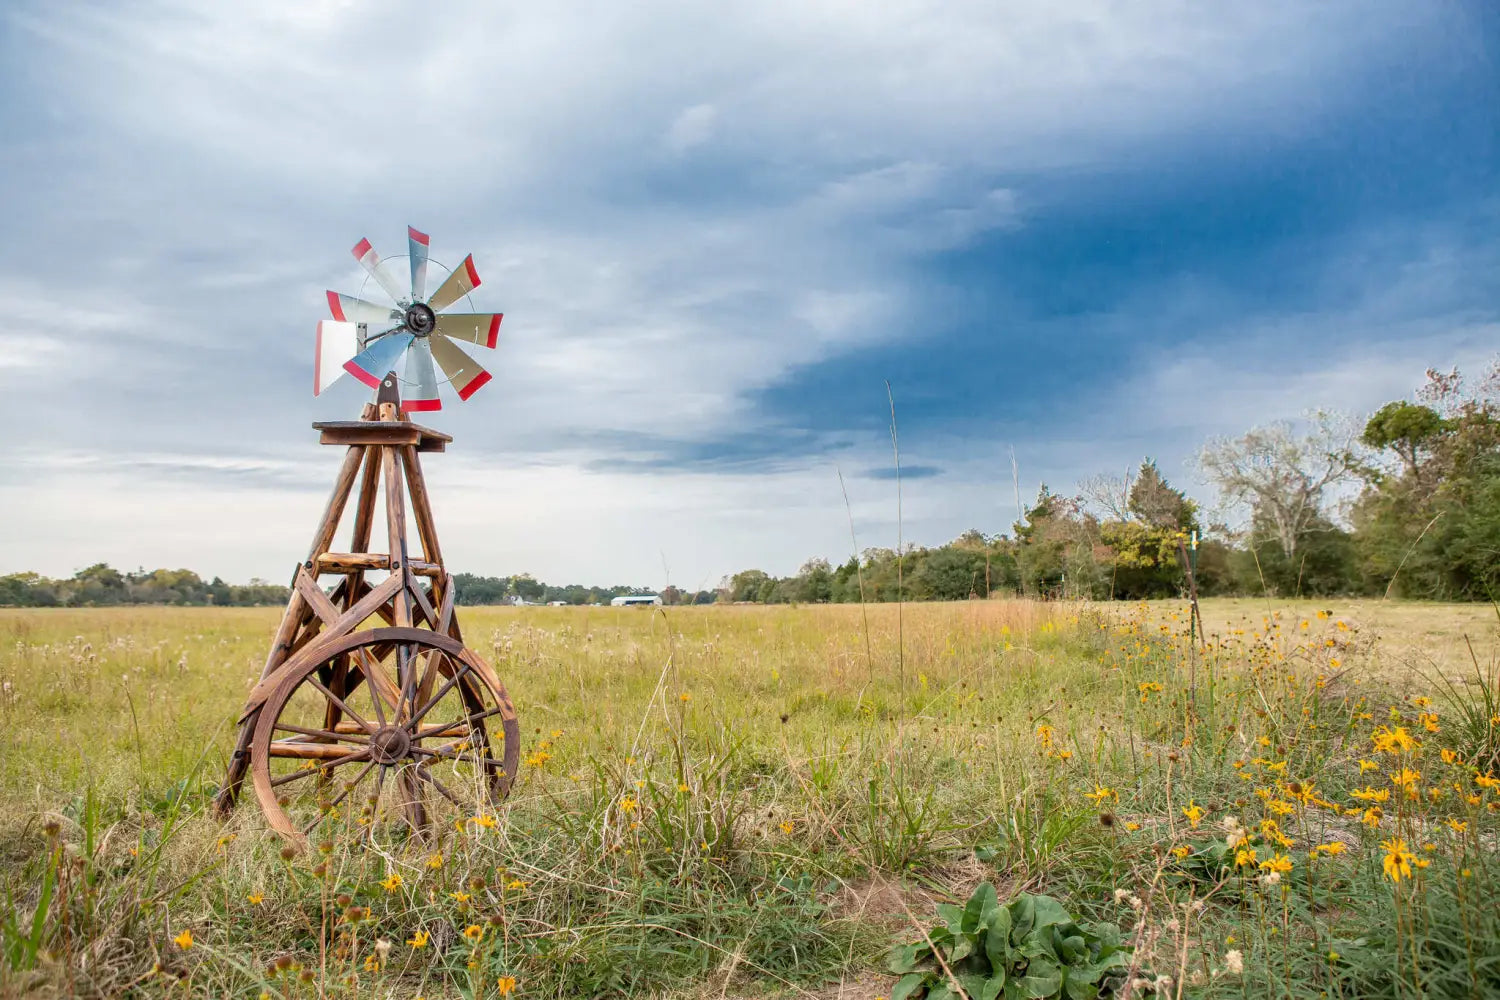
388, 725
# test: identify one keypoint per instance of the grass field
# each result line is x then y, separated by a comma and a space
752, 801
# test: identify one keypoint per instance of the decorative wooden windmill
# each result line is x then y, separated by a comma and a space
359, 726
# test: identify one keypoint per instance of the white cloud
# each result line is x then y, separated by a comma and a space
693, 127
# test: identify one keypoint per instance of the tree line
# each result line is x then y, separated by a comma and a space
101, 584
1405, 503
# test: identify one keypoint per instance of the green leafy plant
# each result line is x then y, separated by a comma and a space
1029, 948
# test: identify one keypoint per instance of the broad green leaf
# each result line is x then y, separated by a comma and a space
974, 985
992, 988
997, 941
961, 949
1049, 911
1042, 979
980, 904
951, 915
907, 985
1079, 989
905, 958
1022, 916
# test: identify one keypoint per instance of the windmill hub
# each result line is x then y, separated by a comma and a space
420, 319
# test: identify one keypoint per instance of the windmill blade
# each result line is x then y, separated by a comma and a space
337, 343
371, 364
346, 308
461, 282
466, 376
475, 328
421, 391
370, 261
417, 241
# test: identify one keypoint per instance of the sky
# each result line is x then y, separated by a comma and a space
1092, 232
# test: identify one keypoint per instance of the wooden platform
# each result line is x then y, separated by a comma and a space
375, 432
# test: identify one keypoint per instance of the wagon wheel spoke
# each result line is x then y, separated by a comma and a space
342, 705
442, 789
287, 727
421, 713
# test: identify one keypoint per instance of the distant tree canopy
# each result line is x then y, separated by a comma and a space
471, 590
101, 584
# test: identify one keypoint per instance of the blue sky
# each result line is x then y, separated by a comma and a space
1089, 232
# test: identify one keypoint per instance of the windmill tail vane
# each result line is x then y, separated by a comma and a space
369, 339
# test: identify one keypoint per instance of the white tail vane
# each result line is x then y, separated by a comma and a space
367, 339
337, 343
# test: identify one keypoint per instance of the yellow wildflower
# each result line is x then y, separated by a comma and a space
506, 985
1279, 863
184, 940
1193, 812
473, 932
1398, 859
418, 939
1394, 741
256, 898
391, 882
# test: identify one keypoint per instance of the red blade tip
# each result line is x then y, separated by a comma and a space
420, 237
474, 386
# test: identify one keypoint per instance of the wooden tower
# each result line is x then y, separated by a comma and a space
403, 712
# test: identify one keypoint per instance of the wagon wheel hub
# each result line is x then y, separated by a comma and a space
390, 745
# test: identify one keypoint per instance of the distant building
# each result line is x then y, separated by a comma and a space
557, 604
632, 600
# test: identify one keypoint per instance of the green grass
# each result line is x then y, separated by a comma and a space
751, 801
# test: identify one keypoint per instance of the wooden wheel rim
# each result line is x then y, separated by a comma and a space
297, 670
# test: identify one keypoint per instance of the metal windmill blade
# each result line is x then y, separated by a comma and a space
415, 328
